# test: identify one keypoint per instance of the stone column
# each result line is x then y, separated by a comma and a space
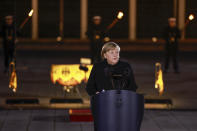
35, 19
132, 19
84, 18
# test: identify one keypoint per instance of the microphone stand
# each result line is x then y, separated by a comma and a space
119, 78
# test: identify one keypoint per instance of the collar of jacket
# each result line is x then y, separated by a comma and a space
106, 63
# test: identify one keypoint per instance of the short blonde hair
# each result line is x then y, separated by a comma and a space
108, 46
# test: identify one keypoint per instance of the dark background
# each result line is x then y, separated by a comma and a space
152, 16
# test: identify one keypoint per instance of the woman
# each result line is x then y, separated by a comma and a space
110, 74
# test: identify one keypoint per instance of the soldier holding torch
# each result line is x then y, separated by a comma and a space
96, 34
171, 35
8, 33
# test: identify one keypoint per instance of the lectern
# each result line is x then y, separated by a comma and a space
119, 110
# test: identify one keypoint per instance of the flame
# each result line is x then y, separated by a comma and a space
31, 13
191, 17
68, 75
159, 78
120, 15
13, 77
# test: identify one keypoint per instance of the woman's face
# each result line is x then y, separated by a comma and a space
112, 56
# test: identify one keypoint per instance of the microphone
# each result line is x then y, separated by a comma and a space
117, 73
116, 76
121, 73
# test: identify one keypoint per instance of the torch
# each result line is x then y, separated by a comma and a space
119, 17
26, 19
190, 18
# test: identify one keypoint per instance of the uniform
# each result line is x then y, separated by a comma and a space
171, 36
96, 35
9, 36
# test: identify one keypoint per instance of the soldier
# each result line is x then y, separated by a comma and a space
9, 37
96, 34
171, 36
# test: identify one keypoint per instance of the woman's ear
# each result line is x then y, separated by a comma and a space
104, 55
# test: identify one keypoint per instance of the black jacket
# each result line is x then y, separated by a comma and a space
110, 77
94, 30
169, 33
8, 34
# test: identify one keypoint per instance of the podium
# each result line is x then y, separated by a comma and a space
118, 110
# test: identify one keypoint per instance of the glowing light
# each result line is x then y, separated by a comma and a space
97, 37
70, 111
59, 38
120, 15
68, 88
191, 17
69, 75
26, 19
13, 77
106, 39
31, 13
86, 61
154, 39
159, 78
14, 90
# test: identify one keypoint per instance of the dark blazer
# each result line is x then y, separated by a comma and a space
109, 77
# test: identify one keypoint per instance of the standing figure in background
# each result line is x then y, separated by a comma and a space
96, 36
8, 33
171, 36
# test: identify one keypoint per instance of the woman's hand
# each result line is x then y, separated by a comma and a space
97, 92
